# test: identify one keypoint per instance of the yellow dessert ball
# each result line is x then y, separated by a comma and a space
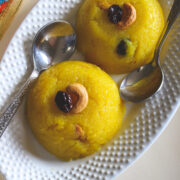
115, 49
74, 135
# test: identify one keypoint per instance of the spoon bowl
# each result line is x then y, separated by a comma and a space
142, 83
53, 43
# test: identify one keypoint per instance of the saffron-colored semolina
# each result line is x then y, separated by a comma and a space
59, 132
98, 38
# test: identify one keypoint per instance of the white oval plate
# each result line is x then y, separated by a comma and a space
22, 158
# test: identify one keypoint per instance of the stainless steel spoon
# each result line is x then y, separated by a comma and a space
148, 79
53, 43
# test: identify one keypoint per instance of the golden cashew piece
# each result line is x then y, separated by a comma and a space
128, 16
80, 132
79, 97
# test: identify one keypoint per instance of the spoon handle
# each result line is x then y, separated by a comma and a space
11, 109
175, 11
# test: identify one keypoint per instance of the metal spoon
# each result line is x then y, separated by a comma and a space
53, 43
148, 79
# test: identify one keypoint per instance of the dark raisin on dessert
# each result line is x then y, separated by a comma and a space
122, 48
115, 13
63, 101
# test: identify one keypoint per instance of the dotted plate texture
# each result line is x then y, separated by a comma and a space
22, 158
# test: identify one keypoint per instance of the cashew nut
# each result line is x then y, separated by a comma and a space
80, 132
79, 97
128, 16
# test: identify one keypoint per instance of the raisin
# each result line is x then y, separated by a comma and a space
63, 101
122, 48
115, 13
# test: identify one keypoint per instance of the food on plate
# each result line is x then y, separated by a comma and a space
74, 108
119, 35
